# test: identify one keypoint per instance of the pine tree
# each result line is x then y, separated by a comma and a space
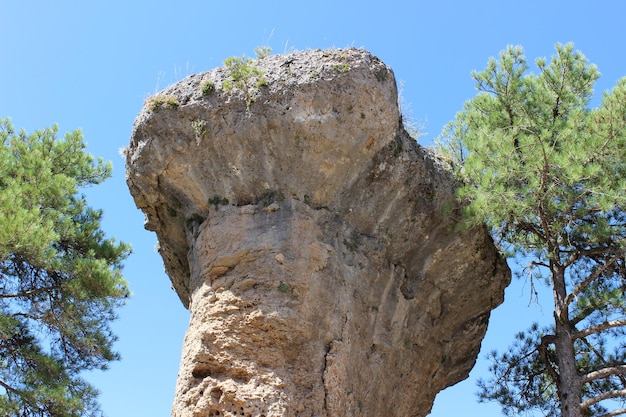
547, 173
60, 279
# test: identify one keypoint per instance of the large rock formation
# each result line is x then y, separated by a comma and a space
313, 241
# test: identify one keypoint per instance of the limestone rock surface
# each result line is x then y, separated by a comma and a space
313, 241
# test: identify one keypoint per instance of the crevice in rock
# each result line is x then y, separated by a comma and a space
324, 381
220, 372
410, 285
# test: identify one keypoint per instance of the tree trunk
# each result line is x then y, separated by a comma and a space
569, 382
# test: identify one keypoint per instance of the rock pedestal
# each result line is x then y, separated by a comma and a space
313, 241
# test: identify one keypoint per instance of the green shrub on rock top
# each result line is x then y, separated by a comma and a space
262, 51
162, 101
245, 75
207, 87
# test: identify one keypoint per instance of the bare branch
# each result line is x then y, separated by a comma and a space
604, 396
598, 328
604, 372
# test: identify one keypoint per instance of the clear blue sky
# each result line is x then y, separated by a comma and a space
91, 64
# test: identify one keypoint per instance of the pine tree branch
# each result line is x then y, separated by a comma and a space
598, 328
582, 315
577, 253
614, 413
26, 315
581, 287
530, 228
543, 351
607, 364
23, 394
29, 293
604, 372
604, 396
9, 388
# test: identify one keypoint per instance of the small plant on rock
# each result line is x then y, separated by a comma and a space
345, 67
216, 201
262, 51
245, 75
199, 129
207, 87
161, 101
282, 287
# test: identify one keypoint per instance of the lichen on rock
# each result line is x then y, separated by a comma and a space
311, 239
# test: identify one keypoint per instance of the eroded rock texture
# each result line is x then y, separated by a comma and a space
312, 240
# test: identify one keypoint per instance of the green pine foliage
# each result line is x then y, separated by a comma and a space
245, 75
60, 277
547, 174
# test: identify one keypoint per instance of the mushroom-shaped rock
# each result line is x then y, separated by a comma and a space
312, 239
